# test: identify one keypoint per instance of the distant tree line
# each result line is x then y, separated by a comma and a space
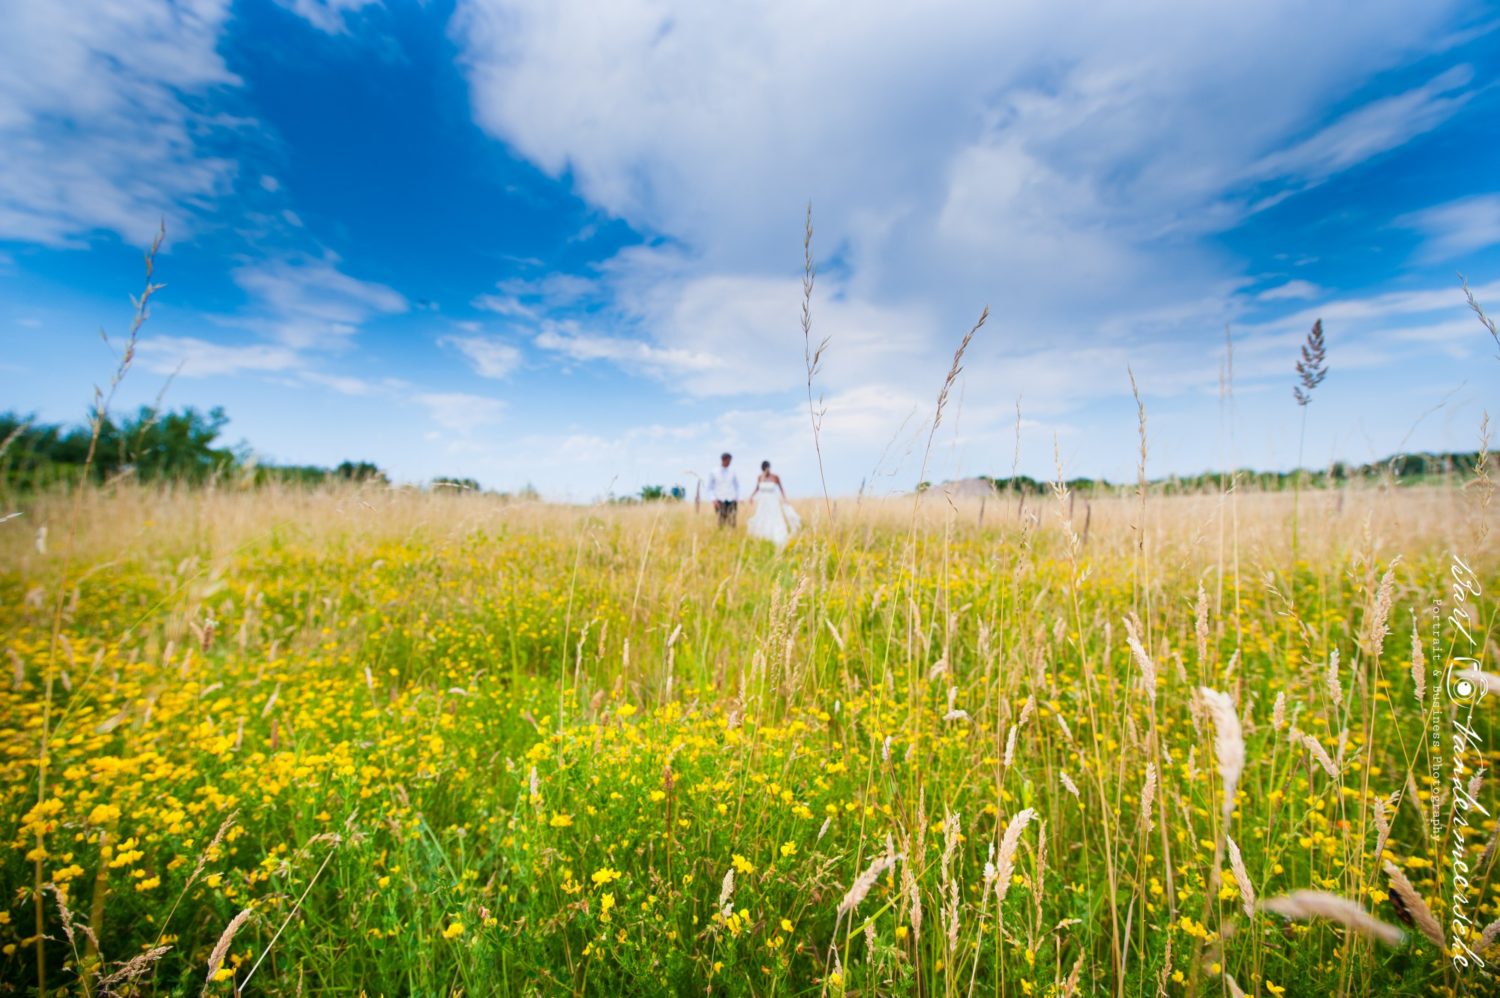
1404, 469
179, 446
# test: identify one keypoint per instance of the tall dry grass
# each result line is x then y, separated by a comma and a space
908, 660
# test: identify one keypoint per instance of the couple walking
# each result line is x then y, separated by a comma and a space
774, 518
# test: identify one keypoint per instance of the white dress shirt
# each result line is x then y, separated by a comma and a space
724, 485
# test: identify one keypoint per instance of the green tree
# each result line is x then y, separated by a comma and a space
361, 471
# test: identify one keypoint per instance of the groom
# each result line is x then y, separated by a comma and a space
724, 487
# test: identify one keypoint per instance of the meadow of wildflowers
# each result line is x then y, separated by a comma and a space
391, 743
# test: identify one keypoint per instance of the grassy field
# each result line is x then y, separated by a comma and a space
392, 743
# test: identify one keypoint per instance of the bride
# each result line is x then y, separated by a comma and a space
774, 520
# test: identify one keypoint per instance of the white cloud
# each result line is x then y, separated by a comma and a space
1366, 331
1375, 128
299, 306
193, 357
869, 115
490, 356
311, 303
341, 383
568, 339
96, 132
1457, 228
1014, 155
507, 305
459, 412
328, 16
531, 297
1290, 291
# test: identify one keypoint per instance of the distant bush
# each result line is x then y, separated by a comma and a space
361, 471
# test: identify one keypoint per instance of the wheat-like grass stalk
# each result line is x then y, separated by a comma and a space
221, 948
862, 883
1200, 626
1070, 985
1318, 751
69, 925
1418, 662
1479, 311
1068, 783
1415, 904
1148, 797
1378, 624
949, 884
813, 356
1335, 688
1383, 822
131, 970
1305, 904
942, 402
1229, 742
1143, 660
956, 368
1488, 936
1241, 877
914, 899
726, 892
1312, 368
1006, 860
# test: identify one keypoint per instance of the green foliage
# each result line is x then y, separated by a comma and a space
1399, 469
360, 471
182, 446
289, 474
151, 445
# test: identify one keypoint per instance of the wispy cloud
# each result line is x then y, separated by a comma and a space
300, 307
460, 412
1297, 290
490, 356
1375, 128
198, 358
342, 383
1456, 228
311, 303
569, 340
97, 122
329, 16
524, 297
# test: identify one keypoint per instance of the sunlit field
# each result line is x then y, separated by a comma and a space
398, 743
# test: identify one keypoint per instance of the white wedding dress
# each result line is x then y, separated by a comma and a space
775, 520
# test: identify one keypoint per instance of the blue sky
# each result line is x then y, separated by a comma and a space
561, 243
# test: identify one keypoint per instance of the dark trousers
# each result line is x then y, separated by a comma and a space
726, 511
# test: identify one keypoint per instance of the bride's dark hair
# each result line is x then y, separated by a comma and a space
765, 466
